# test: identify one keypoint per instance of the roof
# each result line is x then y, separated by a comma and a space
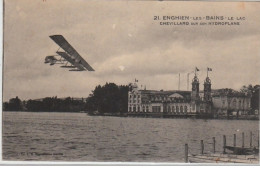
169, 92
228, 92
184, 94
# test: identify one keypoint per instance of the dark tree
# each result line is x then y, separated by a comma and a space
5, 106
15, 104
254, 92
109, 98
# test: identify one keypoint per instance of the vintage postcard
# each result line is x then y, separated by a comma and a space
134, 82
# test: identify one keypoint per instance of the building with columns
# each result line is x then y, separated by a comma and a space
173, 102
196, 102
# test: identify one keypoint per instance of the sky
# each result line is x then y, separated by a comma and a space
121, 41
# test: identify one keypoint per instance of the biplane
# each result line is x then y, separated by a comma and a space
69, 57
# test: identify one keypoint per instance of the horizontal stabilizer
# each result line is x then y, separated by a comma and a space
75, 70
66, 66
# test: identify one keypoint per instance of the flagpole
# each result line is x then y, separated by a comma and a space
179, 80
188, 81
207, 71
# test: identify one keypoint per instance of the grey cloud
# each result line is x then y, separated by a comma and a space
112, 35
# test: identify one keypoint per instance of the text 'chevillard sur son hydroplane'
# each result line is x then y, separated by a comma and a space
69, 55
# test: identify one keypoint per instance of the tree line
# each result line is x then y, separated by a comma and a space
47, 104
109, 98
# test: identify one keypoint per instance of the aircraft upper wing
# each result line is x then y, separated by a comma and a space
62, 42
70, 60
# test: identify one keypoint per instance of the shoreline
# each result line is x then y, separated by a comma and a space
156, 115
209, 117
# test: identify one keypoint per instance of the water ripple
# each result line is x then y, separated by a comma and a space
79, 137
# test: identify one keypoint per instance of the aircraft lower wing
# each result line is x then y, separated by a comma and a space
62, 42
70, 60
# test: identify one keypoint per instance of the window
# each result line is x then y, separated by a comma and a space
173, 110
147, 110
169, 109
130, 109
185, 109
234, 103
153, 109
181, 109
239, 104
156, 108
177, 109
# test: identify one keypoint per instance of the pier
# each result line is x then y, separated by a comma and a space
229, 153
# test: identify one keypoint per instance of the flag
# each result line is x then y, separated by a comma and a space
197, 69
209, 69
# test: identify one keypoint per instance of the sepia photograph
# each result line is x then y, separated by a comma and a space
131, 82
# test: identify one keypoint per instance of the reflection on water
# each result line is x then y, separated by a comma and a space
79, 137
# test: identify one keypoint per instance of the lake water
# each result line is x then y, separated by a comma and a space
79, 137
